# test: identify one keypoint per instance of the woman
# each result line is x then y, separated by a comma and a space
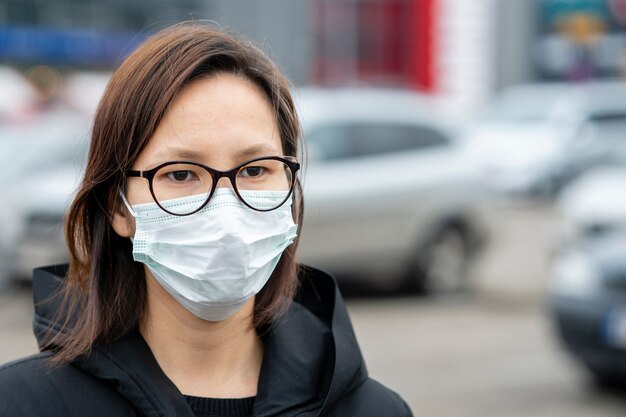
182, 296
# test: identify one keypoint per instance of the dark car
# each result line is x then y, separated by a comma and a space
588, 303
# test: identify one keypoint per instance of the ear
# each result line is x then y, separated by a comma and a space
122, 221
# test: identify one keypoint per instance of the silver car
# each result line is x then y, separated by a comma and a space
389, 195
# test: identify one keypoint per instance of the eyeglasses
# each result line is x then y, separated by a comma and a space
179, 179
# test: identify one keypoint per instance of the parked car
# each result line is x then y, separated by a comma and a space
42, 161
595, 203
535, 138
588, 303
390, 198
41, 203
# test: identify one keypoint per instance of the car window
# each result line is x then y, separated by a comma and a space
609, 125
377, 139
362, 140
330, 142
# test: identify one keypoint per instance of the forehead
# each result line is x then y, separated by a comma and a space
216, 120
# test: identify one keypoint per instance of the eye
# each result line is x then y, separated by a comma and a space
252, 171
180, 176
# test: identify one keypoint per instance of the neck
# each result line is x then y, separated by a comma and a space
202, 358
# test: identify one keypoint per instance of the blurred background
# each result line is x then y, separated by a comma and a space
466, 164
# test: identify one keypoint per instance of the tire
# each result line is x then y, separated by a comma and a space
443, 266
607, 377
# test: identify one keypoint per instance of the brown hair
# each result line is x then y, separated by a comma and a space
105, 290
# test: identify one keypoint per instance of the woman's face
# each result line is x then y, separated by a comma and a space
219, 121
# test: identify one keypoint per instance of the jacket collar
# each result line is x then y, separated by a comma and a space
311, 356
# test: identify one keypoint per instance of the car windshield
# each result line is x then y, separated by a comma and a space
524, 105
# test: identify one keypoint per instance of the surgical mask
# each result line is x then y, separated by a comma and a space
214, 260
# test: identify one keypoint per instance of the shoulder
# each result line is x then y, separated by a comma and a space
371, 398
34, 386
27, 371
27, 387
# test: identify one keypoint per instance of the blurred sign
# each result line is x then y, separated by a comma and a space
581, 39
581, 27
582, 21
618, 10
555, 10
67, 46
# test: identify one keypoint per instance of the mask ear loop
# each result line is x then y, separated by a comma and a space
127, 204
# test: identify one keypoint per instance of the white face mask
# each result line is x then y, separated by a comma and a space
213, 261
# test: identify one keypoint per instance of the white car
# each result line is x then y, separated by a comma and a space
42, 203
594, 204
42, 161
390, 197
535, 138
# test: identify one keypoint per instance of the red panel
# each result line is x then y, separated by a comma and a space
381, 35
423, 71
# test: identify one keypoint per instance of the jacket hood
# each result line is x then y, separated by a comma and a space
311, 360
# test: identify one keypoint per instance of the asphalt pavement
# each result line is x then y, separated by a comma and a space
490, 352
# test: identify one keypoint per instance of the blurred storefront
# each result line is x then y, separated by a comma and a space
463, 51
444, 47
467, 50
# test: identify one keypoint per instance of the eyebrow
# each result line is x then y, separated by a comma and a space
260, 149
178, 152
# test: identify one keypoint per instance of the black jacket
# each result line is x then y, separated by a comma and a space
312, 367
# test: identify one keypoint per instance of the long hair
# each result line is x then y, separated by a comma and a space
104, 292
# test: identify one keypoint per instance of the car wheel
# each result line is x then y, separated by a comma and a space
605, 376
444, 265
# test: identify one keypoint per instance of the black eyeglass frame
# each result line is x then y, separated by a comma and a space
292, 163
